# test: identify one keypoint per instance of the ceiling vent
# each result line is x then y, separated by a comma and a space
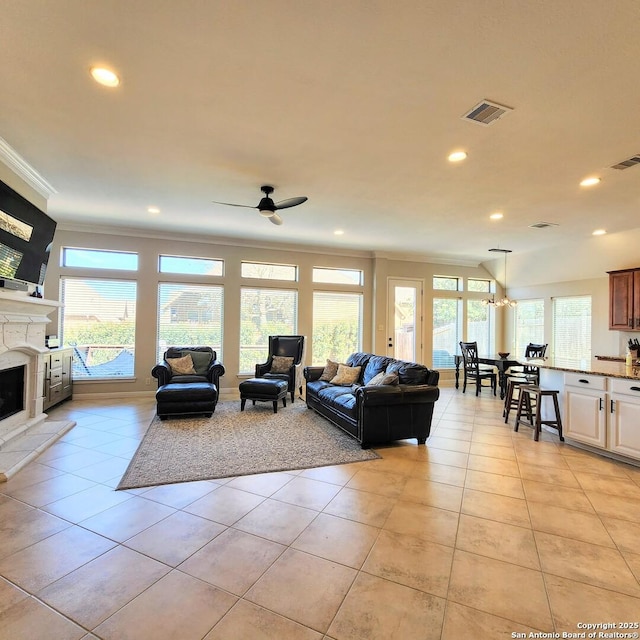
542, 225
625, 164
486, 113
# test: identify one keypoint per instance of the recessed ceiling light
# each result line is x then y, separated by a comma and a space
338, 232
599, 232
153, 210
105, 76
496, 215
457, 156
589, 182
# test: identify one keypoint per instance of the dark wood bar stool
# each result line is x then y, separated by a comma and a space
530, 405
511, 399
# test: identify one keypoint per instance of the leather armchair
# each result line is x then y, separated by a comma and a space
287, 346
208, 369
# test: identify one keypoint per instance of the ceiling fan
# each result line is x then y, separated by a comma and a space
267, 207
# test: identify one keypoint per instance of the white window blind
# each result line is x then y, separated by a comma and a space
98, 321
529, 325
190, 315
447, 331
337, 326
264, 312
572, 328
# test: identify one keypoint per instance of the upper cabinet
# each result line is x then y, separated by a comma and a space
624, 300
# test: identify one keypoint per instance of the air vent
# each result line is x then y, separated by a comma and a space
486, 113
625, 164
542, 225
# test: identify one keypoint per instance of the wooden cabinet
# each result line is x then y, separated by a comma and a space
624, 300
585, 417
624, 419
58, 377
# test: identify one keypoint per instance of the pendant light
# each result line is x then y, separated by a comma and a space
503, 302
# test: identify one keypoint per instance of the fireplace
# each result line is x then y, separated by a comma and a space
11, 391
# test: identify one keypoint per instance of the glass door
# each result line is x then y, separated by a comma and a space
404, 340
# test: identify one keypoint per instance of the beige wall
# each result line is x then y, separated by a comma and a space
377, 271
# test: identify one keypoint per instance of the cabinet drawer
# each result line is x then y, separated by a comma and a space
55, 360
627, 387
586, 381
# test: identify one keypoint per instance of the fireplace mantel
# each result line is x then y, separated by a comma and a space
23, 322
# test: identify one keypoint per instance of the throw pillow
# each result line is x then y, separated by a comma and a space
383, 378
346, 376
201, 361
281, 364
330, 371
376, 380
181, 366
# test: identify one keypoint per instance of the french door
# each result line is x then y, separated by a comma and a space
404, 319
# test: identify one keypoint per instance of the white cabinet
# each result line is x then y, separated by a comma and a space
58, 377
624, 419
585, 409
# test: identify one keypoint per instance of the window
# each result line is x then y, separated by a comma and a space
337, 276
269, 271
98, 321
264, 312
190, 315
479, 326
191, 266
473, 284
529, 325
445, 283
572, 328
95, 259
337, 326
447, 331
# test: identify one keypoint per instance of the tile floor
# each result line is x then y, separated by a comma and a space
481, 534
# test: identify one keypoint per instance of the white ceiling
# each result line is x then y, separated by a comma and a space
355, 104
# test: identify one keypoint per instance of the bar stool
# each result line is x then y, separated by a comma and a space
510, 399
530, 401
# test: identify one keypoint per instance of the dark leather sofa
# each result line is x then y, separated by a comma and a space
377, 414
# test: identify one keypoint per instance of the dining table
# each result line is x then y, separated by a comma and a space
500, 363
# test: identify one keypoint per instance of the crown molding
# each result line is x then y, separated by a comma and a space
24, 170
414, 257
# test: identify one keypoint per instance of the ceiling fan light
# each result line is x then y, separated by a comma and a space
266, 213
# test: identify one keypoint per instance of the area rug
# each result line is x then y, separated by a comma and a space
235, 443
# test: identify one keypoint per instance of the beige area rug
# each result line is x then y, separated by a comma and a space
234, 443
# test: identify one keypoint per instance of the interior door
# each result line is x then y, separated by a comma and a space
404, 320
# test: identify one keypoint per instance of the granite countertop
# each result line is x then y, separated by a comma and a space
611, 369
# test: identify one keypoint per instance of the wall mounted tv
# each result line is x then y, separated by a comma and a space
26, 234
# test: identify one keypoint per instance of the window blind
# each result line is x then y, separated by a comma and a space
529, 325
572, 328
337, 326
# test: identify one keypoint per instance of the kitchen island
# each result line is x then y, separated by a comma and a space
599, 402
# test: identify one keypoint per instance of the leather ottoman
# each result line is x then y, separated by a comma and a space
186, 398
264, 390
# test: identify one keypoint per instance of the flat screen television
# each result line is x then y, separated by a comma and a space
26, 234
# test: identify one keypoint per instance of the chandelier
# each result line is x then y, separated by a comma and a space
503, 302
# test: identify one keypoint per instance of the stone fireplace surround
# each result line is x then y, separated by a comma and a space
24, 435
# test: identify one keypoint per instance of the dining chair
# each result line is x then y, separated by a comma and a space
472, 369
529, 372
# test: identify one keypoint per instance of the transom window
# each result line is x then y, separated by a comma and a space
191, 266
446, 283
474, 284
337, 276
268, 271
97, 259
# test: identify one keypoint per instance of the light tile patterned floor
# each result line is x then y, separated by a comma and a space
481, 534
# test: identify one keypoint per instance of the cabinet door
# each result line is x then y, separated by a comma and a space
621, 304
67, 376
624, 427
585, 417
636, 300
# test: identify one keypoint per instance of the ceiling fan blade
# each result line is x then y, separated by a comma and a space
231, 204
291, 202
276, 219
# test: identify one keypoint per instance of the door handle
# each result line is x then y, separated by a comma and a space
583, 381
600, 404
612, 406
